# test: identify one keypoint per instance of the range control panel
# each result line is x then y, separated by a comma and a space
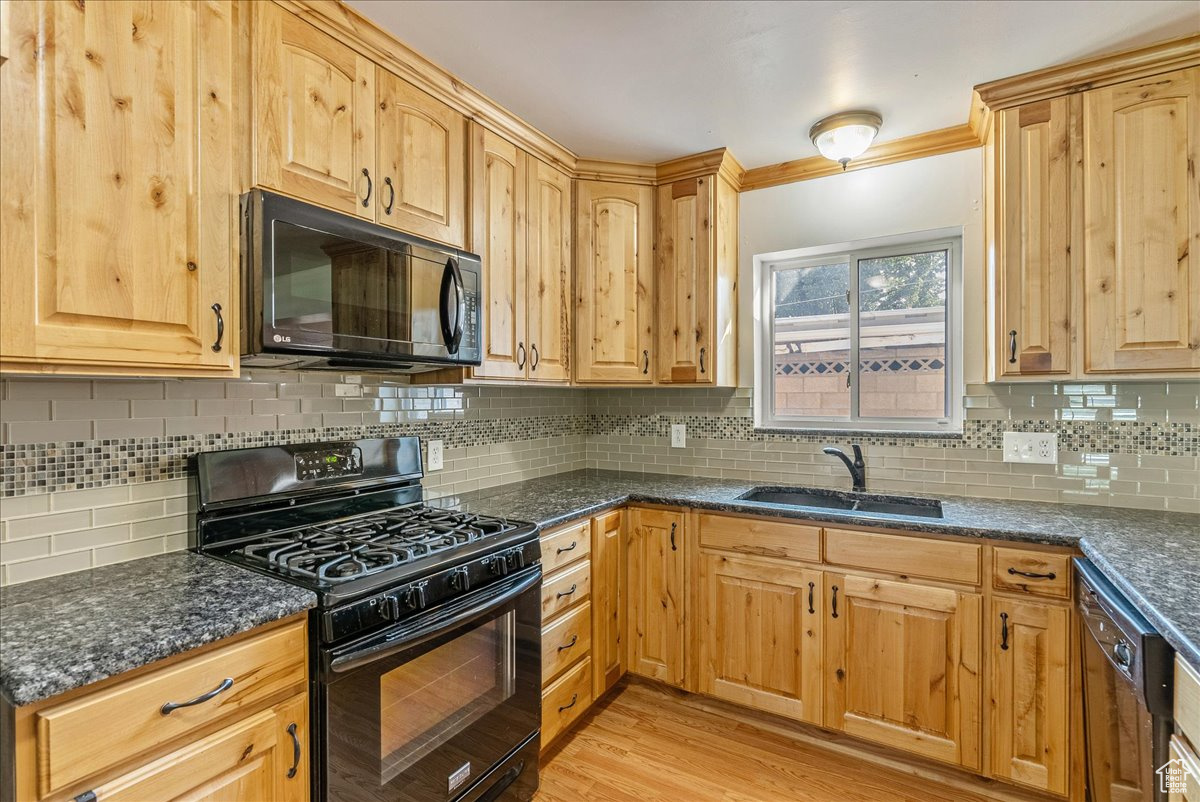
329, 463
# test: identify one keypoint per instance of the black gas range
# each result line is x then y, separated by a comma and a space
425, 643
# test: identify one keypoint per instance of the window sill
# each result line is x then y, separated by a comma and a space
810, 431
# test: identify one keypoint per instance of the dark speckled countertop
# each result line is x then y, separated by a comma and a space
1153, 557
64, 632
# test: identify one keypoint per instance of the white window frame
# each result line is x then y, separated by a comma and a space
765, 267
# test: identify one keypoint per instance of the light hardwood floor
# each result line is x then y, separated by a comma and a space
647, 743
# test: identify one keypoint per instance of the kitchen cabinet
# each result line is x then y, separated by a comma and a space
1029, 692
1189, 764
608, 600
567, 627
1033, 248
118, 253
695, 282
1142, 225
902, 666
548, 273
314, 114
760, 634
655, 558
614, 272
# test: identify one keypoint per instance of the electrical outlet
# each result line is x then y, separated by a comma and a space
678, 435
434, 459
1036, 447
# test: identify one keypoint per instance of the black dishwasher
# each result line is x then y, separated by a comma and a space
1127, 688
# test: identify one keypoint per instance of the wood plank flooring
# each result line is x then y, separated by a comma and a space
645, 743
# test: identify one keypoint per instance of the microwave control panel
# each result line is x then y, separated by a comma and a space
329, 463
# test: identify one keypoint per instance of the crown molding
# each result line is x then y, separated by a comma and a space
619, 172
719, 160
1079, 76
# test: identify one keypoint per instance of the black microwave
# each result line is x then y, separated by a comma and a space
326, 290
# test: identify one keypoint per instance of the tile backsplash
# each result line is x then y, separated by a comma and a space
92, 471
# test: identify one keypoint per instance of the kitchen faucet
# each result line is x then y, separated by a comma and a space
857, 468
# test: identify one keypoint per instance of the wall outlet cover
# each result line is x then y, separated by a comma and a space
434, 460
678, 435
1031, 447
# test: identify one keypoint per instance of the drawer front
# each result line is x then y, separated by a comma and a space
566, 640
565, 546
566, 587
1038, 573
908, 555
1187, 702
1184, 781
756, 536
127, 718
566, 700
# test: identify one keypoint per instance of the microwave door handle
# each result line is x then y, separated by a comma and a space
452, 278
488, 602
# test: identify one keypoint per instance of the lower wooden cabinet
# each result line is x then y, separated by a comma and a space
655, 559
608, 600
1189, 764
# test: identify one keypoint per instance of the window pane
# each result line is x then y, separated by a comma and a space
902, 330
812, 341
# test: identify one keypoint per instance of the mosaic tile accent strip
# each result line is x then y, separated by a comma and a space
804, 368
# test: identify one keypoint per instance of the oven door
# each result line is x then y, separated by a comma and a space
429, 709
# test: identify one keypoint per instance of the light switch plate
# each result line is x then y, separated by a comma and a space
678, 435
434, 458
1036, 447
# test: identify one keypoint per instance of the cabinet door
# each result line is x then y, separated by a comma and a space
498, 218
1029, 693
1034, 252
1142, 223
422, 153
683, 282
614, 270
608, 600
548, 288
902, 666
117, 252
314, 114
760, 635
656, 565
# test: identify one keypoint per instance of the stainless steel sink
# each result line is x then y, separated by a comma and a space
846, 502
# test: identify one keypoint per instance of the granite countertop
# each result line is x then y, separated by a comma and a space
1152, 556
64, 632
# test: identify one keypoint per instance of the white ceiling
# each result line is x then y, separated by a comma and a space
648, 81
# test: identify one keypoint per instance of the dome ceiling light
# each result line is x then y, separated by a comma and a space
846, 135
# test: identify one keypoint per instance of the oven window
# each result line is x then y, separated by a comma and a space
427, 701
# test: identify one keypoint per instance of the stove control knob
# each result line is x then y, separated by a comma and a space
515, 558
414, 597
389, 608
460, 579
498, 565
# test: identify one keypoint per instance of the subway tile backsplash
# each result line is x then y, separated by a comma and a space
92, 471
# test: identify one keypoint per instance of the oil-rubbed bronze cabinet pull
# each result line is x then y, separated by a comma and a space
566, 592
295, 750
673, 546
1004, 631
216, 346
533, 356
225, 685
574, 699
520, 354
568, 548
387, 208
702, 359
1032, 575
1012, 347
367, 200
811, 609
835, 590
645, 362
574, 640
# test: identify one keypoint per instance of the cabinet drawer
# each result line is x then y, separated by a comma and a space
1035, 572
566, 700
127, 719
565, 546
564, 588
1187, 702
908, 555
756, 536
565, 641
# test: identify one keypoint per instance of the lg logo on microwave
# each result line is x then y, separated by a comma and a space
279, 338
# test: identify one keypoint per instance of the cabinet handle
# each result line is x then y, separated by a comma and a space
520, 355
811, 610
673, 546
533, 356
701, 359
295, 750
835, 590
566, 592
225, 685
1031, 574
645, 362
1012, 347
387, 209
574, 699
370, 186
568, 548
574, 640
216, 346
1004, 631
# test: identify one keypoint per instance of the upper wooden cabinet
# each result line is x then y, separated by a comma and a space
655, 560
613, 281
314, 114
118, 253
1142, 224
695, 286
548, 273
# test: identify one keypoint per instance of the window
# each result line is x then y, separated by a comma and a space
864, 336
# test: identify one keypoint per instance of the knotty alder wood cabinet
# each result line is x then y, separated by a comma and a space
117, 251
655, 560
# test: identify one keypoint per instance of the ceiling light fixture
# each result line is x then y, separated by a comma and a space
844, 136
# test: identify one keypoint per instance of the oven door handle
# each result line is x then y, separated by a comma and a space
486, 602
